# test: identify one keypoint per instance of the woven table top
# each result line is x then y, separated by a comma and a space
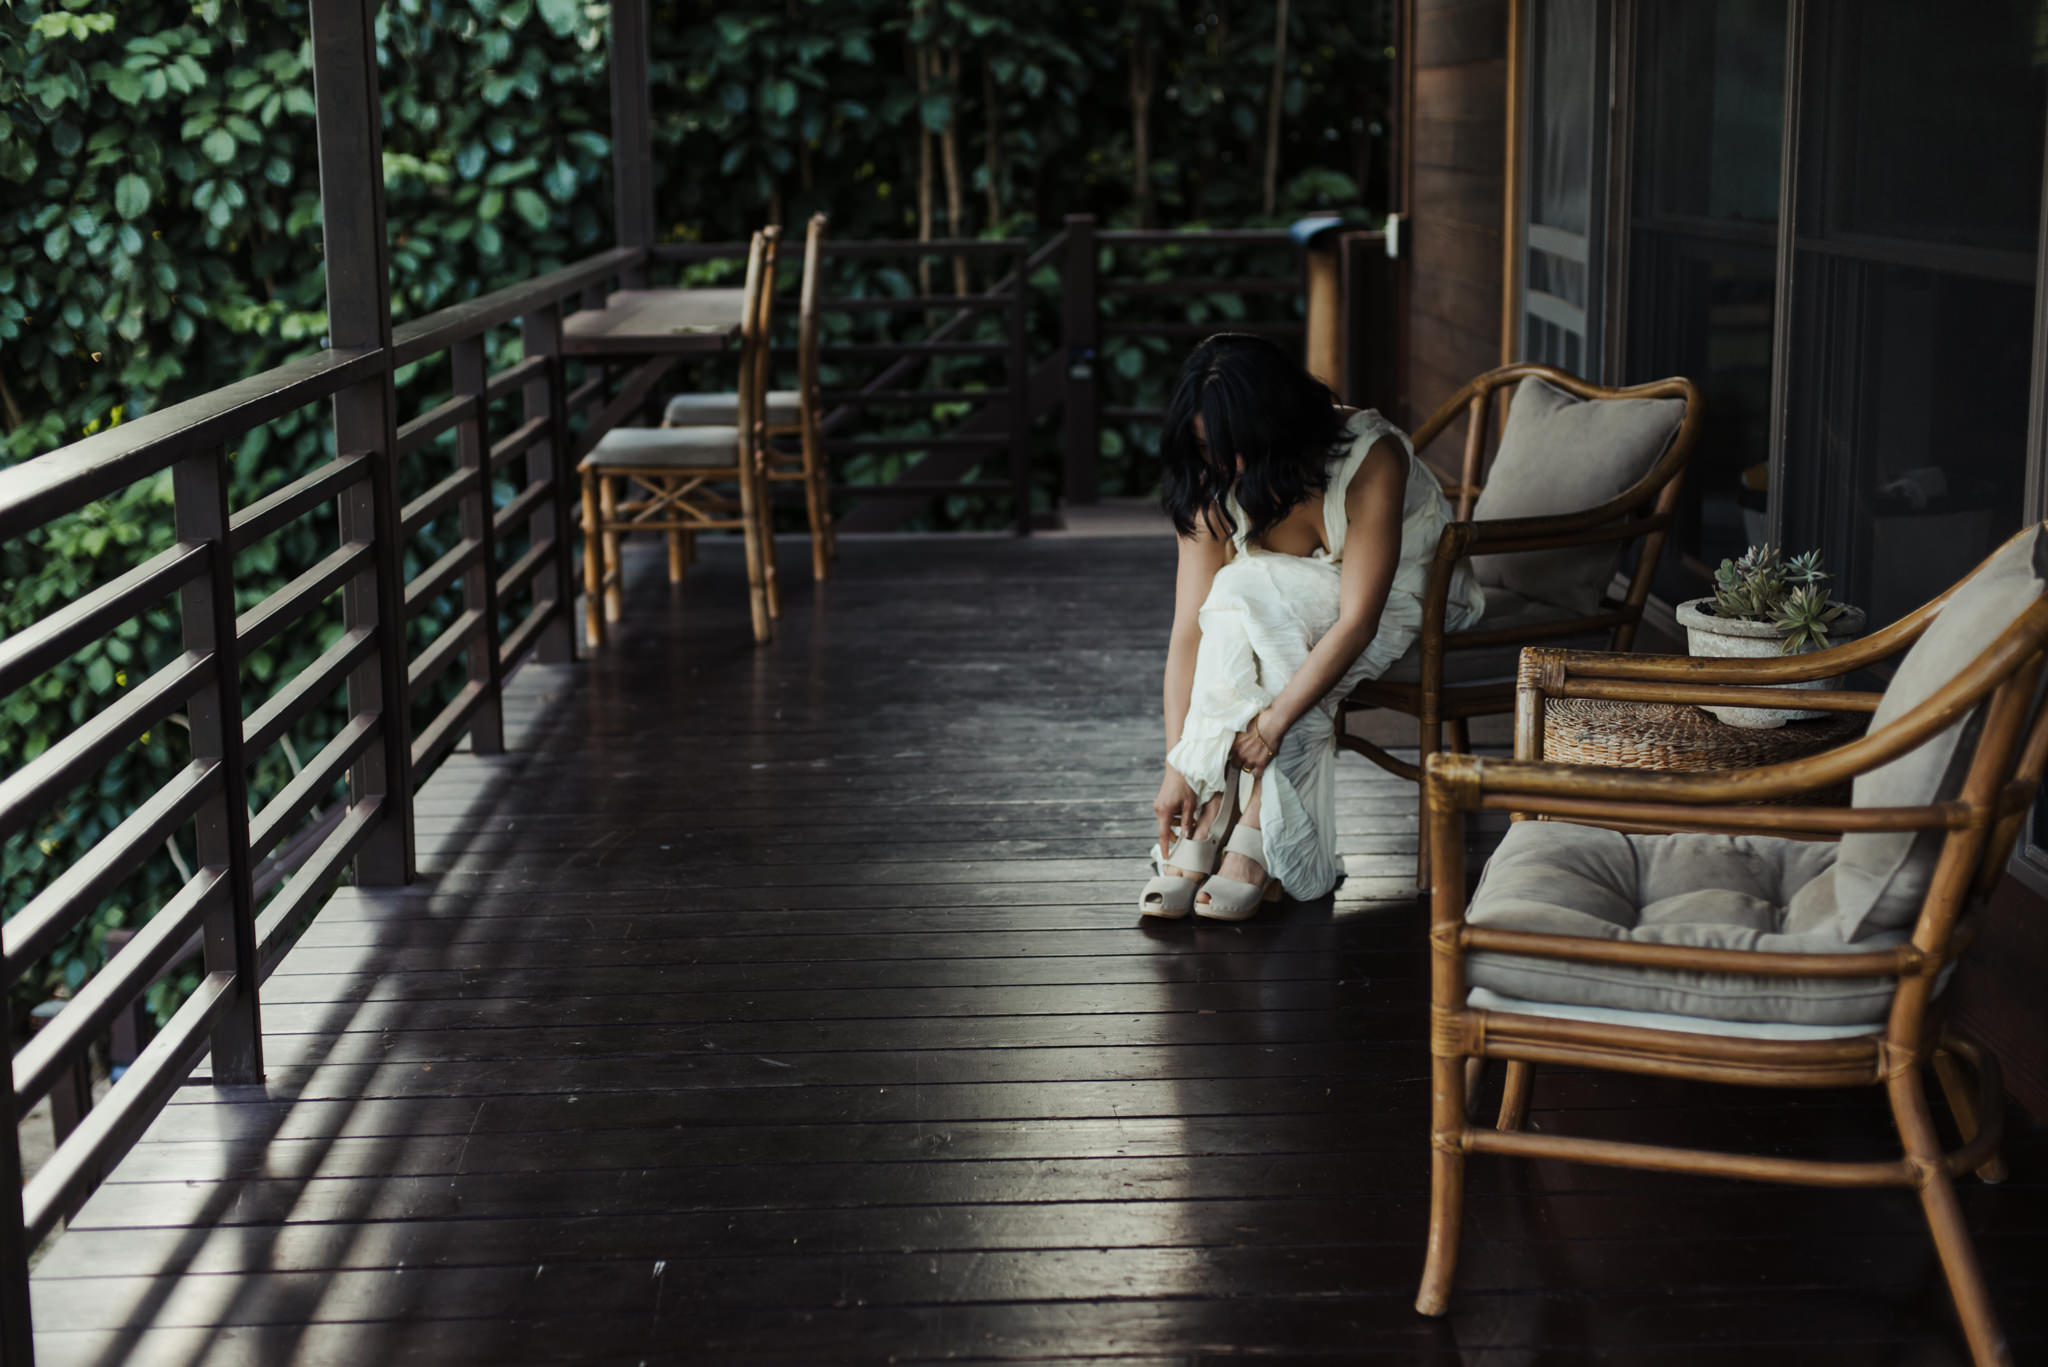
1675, 737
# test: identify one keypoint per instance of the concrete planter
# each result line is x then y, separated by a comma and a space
1709, 636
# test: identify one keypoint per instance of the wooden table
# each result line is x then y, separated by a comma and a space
1678, 739
656, 323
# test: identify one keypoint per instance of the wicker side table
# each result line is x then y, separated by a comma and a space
1682, 739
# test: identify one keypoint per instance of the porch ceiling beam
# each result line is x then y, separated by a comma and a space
632, 131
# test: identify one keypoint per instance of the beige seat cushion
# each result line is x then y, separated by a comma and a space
1882, 878
1492, 664
1484, 999
722, 410
1703, 891
665, 447
1561, 454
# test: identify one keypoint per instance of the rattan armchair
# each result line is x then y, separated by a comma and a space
1450, 677
1971, 716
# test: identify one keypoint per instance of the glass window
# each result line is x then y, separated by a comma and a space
1709, 97
1913, 293
1566, 166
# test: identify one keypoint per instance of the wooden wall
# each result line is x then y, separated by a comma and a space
1455, 143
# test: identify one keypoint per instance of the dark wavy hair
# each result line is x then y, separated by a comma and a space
1259, 406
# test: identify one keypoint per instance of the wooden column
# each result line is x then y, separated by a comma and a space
1020, 393
350, 122
632, 133
541, 335
207, 609
1080, 438
17, 1342
480, 580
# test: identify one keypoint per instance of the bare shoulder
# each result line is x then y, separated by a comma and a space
1383, 472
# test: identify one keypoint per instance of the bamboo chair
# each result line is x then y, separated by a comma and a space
1981, 795
790, 416
1447, 678
683, 481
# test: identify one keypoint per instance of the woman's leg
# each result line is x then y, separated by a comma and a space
1205, 820
1237, 866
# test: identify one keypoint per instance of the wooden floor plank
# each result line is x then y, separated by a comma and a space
788, 1005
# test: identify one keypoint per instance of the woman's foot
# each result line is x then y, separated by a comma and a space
1240, 884
1171, 895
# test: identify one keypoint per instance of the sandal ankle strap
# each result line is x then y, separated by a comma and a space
1247, 841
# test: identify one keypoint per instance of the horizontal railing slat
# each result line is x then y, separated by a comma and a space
871, 351
438, 499
521, 637
274, 822
443, 731
30, 789
259, 625
916, 488
1197, 284
894, 303
429, 663
31, 651
277, 924
444, 416
439, 331
316, 682
46, 487
280, 506
1196, 237
114, 1124
519, 440
71, 896
521, 506
436, 577
514, 375
42, 1060
522, 569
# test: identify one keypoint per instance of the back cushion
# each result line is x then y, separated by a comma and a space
1881, 878
1560, 454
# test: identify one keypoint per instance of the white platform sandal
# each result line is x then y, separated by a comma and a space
1171, 897
1231, 900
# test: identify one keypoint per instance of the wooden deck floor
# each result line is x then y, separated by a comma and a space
788, 1006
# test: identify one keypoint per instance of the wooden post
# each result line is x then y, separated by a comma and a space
480, 581
17, 1341
206, 607
632, 133
1080, 434
540, 333
349, 118
1020, 393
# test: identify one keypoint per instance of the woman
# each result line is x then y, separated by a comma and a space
1306, 532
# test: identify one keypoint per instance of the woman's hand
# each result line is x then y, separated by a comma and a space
1258, 743
1175, 807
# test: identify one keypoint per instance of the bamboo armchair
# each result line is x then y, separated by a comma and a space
686, 480
1451, 683
1974, 833
789, 416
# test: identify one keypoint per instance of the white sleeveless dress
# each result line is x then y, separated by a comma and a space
1264, 613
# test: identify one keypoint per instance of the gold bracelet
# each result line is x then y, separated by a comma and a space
1270, 751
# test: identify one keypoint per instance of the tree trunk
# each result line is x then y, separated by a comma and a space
1143, 55
921, 58
992, 152
1273, 102
949, 147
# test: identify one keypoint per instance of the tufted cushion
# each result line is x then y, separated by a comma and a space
1561, 454
785, 407
651, 448
1504, 608
1881, 878
1704, 891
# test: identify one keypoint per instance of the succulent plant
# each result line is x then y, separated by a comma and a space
1792, 595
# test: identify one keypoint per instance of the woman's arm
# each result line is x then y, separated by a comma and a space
1201, 555
1372, 552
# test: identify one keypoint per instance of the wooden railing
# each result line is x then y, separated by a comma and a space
995, 430
513, 606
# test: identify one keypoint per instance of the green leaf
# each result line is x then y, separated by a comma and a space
131, 196
530, 207
492, 204
560, 15
779, 98
66, 138
219, 146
